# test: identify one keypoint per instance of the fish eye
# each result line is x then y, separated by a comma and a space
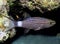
51, 22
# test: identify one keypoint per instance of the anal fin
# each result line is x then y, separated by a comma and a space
38, 28
26, 30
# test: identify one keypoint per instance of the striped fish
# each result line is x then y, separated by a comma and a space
35, 23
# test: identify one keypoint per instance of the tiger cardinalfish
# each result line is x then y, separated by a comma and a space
35, 23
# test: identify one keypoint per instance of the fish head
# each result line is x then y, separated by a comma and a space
49, 23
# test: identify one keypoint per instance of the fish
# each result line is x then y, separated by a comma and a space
34, 23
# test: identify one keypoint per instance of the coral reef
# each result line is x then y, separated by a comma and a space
40, 4
5, 22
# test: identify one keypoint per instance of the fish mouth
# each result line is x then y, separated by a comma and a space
52, 22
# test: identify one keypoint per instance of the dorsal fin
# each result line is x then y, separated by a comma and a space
26, 15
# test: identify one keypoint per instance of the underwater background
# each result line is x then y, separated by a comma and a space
44, 36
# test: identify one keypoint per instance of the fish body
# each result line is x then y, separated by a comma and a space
35, 23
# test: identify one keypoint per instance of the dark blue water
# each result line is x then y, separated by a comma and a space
37, 39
